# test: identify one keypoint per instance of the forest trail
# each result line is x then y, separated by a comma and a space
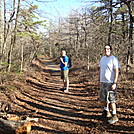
75, 112
58, 112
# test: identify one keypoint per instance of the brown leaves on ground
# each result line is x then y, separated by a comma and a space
75, 112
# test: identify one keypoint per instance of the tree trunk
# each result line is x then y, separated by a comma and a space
6, 30
4, 42
88, 61
123, 26
130, 48
13, 38
111, 21
22, 57
34, 55
14, 124
50, 51
14, 127
130, 32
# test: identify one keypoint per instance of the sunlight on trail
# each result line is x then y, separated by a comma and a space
50, 64
66, 113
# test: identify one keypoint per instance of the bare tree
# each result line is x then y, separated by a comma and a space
131, 21
7, 24
13, 37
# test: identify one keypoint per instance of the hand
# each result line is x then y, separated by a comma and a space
114, 86
61, 59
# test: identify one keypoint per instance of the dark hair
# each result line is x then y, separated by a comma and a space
109, 46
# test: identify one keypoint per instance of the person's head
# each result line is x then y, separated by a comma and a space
108, 50
63, 53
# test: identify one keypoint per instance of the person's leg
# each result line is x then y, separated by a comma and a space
106, 113
67, 84
64, 83
104, 100
66, 80
106, 106
113, 106
62, 77
102, 96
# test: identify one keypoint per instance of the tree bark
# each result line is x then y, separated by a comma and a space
14, 124
130, 48
22, 57
111, 22
6, 30
130, 32
14, 127
13, 38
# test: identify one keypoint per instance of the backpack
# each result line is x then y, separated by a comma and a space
69, 64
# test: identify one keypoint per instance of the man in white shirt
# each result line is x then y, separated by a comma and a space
108, 75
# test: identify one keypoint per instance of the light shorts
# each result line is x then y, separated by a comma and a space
64, 74
107, 94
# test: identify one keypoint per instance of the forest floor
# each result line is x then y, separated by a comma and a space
75, 112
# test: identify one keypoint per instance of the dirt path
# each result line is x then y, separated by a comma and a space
59, 112
72, 113
66, 113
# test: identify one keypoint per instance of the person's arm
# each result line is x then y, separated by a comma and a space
116, 72
65, 63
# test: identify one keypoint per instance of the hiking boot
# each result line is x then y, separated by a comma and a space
105, 115
113, 119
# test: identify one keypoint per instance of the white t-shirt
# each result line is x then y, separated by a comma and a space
107, 66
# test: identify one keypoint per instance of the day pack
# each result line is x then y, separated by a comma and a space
69, 64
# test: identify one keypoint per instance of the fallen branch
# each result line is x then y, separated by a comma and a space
15, 127
13, 124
